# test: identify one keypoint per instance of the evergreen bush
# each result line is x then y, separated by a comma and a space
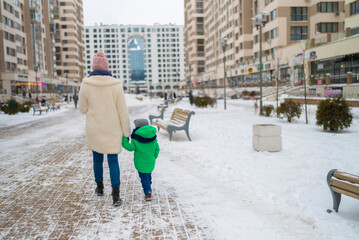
334, 114
267, 110
191, 99
12, 107
290, 110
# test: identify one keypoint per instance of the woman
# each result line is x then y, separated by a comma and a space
102, 100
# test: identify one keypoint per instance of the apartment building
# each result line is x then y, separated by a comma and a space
29, 31
285, 24
148, 58
194, 38
69, 40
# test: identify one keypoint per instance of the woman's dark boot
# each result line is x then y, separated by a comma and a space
116, 196
99, 189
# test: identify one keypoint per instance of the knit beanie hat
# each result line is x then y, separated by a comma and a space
100, 62
141, 122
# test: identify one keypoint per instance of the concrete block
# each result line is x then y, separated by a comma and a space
265, 130
267, 137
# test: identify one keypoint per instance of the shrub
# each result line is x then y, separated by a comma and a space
191, 99
290, 110
25, 107
267, 110
12, 107
334, 114
245, 93
203, 102
253, 93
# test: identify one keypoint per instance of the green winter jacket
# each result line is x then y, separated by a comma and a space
144, 143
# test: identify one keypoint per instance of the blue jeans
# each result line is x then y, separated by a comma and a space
146, 181
112, 160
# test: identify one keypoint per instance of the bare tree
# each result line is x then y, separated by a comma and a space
305, 62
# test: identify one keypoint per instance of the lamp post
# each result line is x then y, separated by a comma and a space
190, 70
224, 46
260, 23
67, 86
36, 68
150, 81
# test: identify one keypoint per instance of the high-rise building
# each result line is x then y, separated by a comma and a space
69, 39
29, 31
142, 56
194, 38
286, 23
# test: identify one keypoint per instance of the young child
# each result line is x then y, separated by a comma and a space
144, 143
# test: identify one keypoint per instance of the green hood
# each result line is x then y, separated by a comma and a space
145, 132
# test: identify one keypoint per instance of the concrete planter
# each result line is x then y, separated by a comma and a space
267, 137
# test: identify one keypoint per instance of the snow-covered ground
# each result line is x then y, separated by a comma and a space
237, 193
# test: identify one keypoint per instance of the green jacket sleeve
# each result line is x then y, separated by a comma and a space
128, 146
157, 151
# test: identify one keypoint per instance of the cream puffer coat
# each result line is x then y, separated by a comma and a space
103, 101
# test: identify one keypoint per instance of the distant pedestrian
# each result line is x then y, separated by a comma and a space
255, 107
165, 96
30, 95
103, 101
76, 98
144, 143
174, 95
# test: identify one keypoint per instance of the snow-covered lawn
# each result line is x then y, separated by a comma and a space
239, 193
235, 192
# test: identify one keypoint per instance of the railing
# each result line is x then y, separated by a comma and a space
336, 36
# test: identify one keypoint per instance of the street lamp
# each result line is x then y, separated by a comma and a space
260, 23
150, 81
224, 46
190, 70
67, 86
36, 68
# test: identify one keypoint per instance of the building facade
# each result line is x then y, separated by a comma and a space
287, 24
29, 32
194, 39
162, 47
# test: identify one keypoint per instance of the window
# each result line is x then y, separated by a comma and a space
328, 7
354, 8
298, 33
266, 36
273, 33
199, 4
298, 14
327, 27
273, 14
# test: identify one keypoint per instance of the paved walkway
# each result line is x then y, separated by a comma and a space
47, 191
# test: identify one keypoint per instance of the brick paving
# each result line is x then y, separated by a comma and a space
47, 192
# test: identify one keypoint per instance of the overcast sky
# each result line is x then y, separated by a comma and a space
145, 12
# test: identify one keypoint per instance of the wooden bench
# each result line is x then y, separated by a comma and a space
179, 121
159, 115
53, 105
38, 108
342, 183
165, 103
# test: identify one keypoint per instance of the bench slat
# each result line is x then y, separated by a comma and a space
344, 185
346, 176
342, 191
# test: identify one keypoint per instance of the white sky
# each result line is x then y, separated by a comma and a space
145, 12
